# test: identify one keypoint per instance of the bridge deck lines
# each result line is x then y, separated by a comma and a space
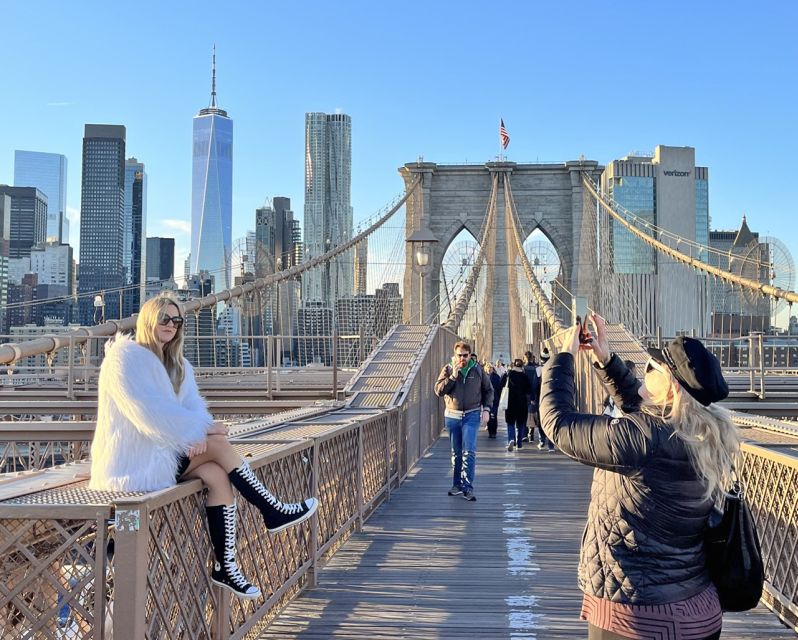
428, 566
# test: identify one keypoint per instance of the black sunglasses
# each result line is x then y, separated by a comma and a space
177, 321
463, 355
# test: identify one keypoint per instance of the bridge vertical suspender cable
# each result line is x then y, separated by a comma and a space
545, 304
457, 314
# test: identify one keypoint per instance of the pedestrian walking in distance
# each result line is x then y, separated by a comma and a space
468, 396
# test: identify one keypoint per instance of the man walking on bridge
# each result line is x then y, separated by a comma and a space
468, 395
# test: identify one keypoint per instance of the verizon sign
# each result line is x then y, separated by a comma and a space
677, 174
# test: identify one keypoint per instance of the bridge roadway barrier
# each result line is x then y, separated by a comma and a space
769, 473
83, 563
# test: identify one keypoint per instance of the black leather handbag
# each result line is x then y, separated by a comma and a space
734, 557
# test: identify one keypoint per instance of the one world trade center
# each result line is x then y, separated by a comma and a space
212, 192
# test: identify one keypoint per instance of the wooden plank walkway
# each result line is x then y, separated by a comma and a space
428, 566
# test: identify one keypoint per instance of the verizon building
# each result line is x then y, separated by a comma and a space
666, 189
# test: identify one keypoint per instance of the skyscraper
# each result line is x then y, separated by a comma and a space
102, 229
160, 258
275, 234
666, 189
328, 210
28, 219
212, 191
48, 173
135, 222
5, 237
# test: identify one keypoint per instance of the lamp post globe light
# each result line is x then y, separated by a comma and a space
421, 242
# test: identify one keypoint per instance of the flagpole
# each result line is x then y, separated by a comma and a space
500, 158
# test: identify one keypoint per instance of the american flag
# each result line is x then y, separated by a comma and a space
504, 137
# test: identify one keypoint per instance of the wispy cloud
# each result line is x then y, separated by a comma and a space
60, 104
182, 226
73, 214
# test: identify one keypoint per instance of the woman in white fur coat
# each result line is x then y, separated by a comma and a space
153, 429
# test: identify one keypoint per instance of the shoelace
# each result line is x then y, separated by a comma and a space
234, 575
252, 479
230, 567
292, 508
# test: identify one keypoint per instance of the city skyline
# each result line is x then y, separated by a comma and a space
401, 110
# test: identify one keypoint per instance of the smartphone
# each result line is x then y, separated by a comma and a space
584, 334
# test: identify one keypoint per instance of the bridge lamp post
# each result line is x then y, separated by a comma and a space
278, 267
99, 309
421, 242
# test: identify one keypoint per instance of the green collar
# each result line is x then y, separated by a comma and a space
471, 364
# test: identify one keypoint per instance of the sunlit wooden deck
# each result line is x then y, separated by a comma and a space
430, 566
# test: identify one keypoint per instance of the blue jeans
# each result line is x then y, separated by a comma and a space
463, 440
515, 433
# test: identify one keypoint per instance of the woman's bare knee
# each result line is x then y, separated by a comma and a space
215, 478
222, 451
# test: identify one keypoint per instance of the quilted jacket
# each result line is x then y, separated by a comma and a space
642, 543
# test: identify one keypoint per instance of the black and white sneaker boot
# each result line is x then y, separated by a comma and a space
277, 515
222, 525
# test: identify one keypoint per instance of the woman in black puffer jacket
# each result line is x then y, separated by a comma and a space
660, 470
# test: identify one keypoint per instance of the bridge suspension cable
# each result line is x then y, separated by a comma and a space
545, 304
11, 352
627, 220
487, 235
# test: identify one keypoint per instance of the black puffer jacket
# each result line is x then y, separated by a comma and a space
643, 538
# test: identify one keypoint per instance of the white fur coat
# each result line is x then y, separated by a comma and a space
142, 425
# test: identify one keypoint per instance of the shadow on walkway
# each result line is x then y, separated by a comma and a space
429, 566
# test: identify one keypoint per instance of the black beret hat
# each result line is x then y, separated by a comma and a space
696, 369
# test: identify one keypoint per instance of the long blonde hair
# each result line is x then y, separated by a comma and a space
711, 439
170, 354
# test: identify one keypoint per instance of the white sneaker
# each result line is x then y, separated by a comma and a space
541, 446
510, 446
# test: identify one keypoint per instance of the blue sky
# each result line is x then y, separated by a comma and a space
424, 79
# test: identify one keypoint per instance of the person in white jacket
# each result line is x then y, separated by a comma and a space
153, 429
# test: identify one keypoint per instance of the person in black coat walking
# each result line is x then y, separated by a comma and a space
518, 392
660, 471
496, 383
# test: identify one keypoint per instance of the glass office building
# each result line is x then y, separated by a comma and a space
328, 209
102, 229
160, 258
702, 210
48, 173
636, 194
135, 224
212, 193
668, 190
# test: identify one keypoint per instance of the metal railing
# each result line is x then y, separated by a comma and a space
76, 368
770, 476
80, 563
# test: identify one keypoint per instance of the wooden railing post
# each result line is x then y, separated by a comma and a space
388, 457
360, 477
131, 540
314, 523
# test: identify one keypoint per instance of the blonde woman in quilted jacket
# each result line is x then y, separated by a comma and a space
660, 469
